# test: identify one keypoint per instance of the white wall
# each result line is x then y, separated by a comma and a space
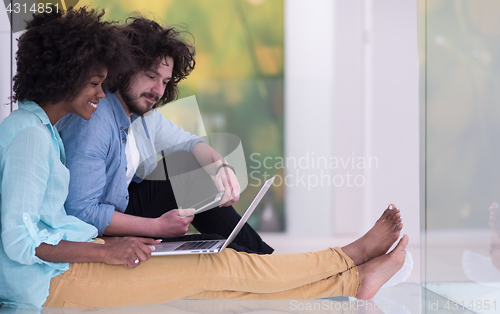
5, 59
395, 114
351, 90
309, 78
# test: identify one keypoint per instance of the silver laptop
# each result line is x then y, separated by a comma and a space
210, 246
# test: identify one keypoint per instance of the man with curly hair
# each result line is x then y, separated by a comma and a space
110, 155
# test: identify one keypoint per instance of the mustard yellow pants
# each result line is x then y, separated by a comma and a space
225, 275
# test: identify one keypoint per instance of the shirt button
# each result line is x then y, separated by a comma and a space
123, 140
127, 197
121, 128
126, 169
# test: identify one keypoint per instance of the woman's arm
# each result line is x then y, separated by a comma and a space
125, 252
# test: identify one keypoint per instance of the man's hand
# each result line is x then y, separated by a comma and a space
128, 251
227, 183
174, 223
225, 178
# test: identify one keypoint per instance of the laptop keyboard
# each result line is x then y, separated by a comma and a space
197, 245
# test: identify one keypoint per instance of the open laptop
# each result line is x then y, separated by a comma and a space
210, 246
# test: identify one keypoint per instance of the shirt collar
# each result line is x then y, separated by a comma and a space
38, 111
34, 108
121, 117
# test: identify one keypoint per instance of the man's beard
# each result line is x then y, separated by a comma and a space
133, 104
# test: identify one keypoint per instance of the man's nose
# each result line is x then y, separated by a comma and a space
158, 89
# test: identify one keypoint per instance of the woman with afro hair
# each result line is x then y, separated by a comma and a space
50, 259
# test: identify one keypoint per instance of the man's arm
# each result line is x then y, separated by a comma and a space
173, 223
170, 137
87, 145
225, 178
94, 200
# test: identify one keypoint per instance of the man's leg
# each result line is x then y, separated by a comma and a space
222, 220
150, 199
193, 184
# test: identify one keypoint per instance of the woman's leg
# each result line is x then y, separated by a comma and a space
341, 284
371, 276
228, 274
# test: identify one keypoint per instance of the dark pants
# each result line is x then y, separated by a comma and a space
153, 198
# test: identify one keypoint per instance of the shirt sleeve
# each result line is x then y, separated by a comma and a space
171, 138
25, 168
87, 144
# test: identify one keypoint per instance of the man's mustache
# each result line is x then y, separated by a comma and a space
151, 95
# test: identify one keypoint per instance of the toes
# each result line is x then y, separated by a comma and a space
402, 243
385, 215
388, 212
388, 215
398, 226
391, 215
396, 216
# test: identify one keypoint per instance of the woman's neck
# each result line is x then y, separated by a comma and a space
54, 111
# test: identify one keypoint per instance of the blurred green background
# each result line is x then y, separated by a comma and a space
462, 71
238, 79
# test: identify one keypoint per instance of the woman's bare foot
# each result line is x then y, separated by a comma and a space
379, 239
375, 273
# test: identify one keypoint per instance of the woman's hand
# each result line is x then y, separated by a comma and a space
118, 250
128, 251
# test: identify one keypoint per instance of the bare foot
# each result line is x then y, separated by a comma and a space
375, 273
379, 239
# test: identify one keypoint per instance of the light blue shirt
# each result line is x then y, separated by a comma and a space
97, 161
34, 185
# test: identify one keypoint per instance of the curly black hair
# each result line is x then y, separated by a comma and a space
150, 43
58, 52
